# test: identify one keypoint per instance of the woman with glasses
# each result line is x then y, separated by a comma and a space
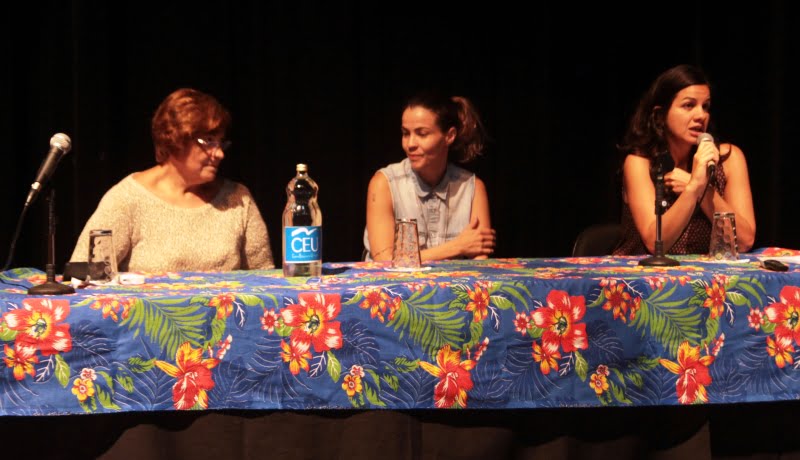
179, 215
449, 203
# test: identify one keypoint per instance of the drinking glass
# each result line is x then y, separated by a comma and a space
406, 244
102, 261
723, 237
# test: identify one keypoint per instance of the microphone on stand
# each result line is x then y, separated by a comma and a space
60, 145
711, 167
662, 164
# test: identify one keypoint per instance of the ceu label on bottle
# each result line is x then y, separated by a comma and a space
303, 244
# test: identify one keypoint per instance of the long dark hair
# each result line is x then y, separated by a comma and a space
459, 113
646, 134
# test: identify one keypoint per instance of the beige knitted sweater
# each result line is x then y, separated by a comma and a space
150, 234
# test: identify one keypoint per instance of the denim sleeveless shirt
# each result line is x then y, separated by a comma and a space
442, 211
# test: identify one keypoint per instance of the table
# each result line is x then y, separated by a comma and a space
510, 334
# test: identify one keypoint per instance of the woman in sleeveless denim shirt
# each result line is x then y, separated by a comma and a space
449, 203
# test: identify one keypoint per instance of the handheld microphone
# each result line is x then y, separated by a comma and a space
711, 167
60, 145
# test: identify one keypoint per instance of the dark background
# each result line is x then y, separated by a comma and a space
325, 84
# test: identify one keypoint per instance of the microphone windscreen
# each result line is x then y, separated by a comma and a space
704, 137
62, 142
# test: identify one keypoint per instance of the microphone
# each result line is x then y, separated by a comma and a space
60, 145
711, 167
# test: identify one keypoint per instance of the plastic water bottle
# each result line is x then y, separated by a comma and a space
302, 227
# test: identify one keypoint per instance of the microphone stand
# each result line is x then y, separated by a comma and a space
50, 286
658, 259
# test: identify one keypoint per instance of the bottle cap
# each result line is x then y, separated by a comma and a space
302, 167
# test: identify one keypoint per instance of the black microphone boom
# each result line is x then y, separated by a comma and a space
60, 145
711, 167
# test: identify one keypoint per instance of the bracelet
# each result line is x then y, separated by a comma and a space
376, 254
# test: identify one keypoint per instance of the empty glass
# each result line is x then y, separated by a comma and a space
102, 261
723, 237
406, 244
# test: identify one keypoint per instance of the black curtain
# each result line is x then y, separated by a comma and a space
324, 83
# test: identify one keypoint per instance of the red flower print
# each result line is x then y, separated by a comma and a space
455, 380
635, 306
37, 324
484, 284
605, 282
693, 375
755, 318
126, 305
109, 304
602, 369
617, 301
21, 360
546, 355
478, 303
778, 252
224, 346
87, 373
352, 385
655, 282
397, 302
786, 314
269, 320
683, 279
560, 320
522, 322
193, 374
414, 286
716, 345
376, 301
296, 354
312, 320
781, 348
479, 349
224, 304
506, 265
716, 299
599, 383
356, 370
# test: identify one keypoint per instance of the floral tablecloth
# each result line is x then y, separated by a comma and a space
499, 333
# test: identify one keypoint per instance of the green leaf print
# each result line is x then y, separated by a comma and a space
668, 324
431, 326
62, 371
334, 367
168, 324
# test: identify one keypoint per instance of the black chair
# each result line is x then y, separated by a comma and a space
597, 240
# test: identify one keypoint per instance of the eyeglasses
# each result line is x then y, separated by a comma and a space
209, 146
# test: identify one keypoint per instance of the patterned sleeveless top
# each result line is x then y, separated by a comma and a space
695, 237
442, 212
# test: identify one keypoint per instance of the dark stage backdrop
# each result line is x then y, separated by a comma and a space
325, 84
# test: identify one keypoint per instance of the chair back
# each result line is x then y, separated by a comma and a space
597, 240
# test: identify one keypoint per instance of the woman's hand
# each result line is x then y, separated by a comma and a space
475, 241
677, 179
706, 152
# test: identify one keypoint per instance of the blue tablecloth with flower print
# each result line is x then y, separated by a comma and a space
500, 333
